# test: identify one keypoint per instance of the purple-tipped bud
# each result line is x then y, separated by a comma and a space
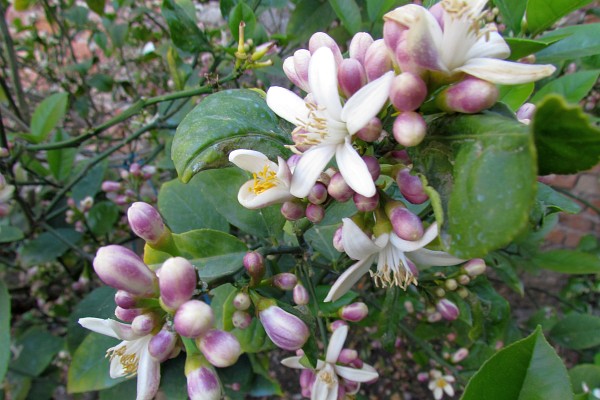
411, 187
469, 96
339, 189
354, 312
347, 356
318, 193
127, 314
371, 131
408, 92
338, 323
373, 166
321, 39
475, 267
254, 264
359, 45
242, 301
122, 269
4, 152
460, 355
337, 240
287, 331
285, 281
203, 383
447, 309
526, 111
143, 324
409, 129
146, 222
193, 318
162, 344
377, 60
125, 299
406, 224
366, 204
401, 156
300, 295
307, 378
292, 210
351, 76
296, 69
315, 213
220, 348
241, 319
110, 186
392, 34
177, 282
135, 169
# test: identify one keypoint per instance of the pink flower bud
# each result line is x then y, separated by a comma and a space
373, 166
347, 356
337, 240
296, 69
392, 34
177, 282
460, 355
241, 319
337, 324
285, 281
162, 344
143, 324
408, 91
125, 299
203, 383
292, 210
447, 309
315, 213
475, 267
220, 348
300, 295
526, 111
423, 377
254, 264
148, 171
124, 174
193, 318
469, 96
339, 189
409, 129
411, 187
110, 186
307, 378
351, 76
401, 156
127, 314
359, 45
366, 204
321, 39
371, 131
406, 225
354, 312
145, 222
122, 269
318, 193
377, 60
241, 301
287, 331
121, 200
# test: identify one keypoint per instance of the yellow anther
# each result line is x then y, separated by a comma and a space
264, 180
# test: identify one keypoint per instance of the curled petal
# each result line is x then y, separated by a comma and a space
408, 246
354, 170
322, 77
431, 258
148, 376
309, 168
356, 243
365, 374
491, 45
252, 201
336, 343
505, 72
343, 284
250, 160
287, 105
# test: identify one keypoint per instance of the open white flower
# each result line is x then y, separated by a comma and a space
464, 43
130, 357
328, 372
393, 256
327, 126
270, 183
439, 384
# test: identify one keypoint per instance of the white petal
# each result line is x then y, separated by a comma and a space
366, 103
310, 166
322, 390
349, 278
251, 161
506, 72
336, 343
424, 39
277, 194
365, 374
322, 78
287, 105
449, 390
354, 170
293, 362
431, 258
356, 243
148, 375
98, 325
407, 245
491, 45
284, 174
116, 368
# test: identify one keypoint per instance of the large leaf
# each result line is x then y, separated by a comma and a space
541, 14
565, 139
321, 240
527, 369
47, 247
185, 34
349, 13
577, 331
222, 122
4, 329
568, 261
573, 87
308, 17
38, 348
487, 198
47, 115
91, 183
585, 374
577, 41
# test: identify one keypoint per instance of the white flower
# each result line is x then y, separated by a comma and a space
439, 384
130, 357
393, 265
270, 183
327, 373
327, 126
464, 44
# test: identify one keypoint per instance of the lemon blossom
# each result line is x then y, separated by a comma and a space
393, 255
328, 372
327, 126
439, 384
270, 183
130, 357
460, 42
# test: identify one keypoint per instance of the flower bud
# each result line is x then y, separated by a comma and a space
338, 323
365, 204
337, 240
347, 356
315, 213
451, 284
127, 314
241, 301
411, 187
220, 348
400, 156
254, 264
359, 45
4, 152
392, 34
373, 166
148, 171
307, 378
464, 279
408, 92
351, 76
469, 96
143, 324
125, 299
296, 69
202, 381
110, 186
475, 267
300, 295
122, 269
439, 292
447, 309
146, 222
193, 318
241, 319
292, 210
318, 193
162, 344
409, 129
285, 281
339, 189
321, 39
525, 112
460, 355
287, 331
371, 131
354, 312
463, 292
377, 60
177, 282
406, 225
135, 169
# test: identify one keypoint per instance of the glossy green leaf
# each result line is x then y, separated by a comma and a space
124, 390
222, 306
512, 12
515, 95
185, 34
541, 14
584, 374
308, 17
577, 41
185, 207
47, 116
222, 122
4, 329
377, 8
321, 240
573, 87
568, 262
173, 384
61, 161
566, 141
96, 6
102, 217
38, 348
10, 234
47, 247
520, 47
577, 331
91, 183
527, 369
242, 13
349, 13
253, 339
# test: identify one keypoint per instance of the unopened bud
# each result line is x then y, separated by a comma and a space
377, 60
351, 76
146, 222
464, 279
177, 282
296, 69
193, 318
127, 314
460, 355
287, 331
202, 381
373, 166
292, 210
318, 193
359, 45
220, 348
241, 301
110, 186
439, 292
162, 344
135, 169
347, 356
409, 128
463, 292
300, 295
337, 240
392, 34
285, 281
411, 187
371, 131
447, 309
254, 264
321, 39
469, 96
365, 204
315, 213
86, 203
451, 284
475, 267
125, 299
408, 91
406, 224
354, 312
338, 323
143, 324
241, 319
339, 189
526, 111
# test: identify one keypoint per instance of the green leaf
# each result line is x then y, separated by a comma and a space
391, 315
102, 82
512, 12
253, 339
568, 262
96, 6
573, 87
4, 329
61, 161
349, 13
520, 47
89, 369
10, 234
565, 139
124, 390
242, 12
541, 14
118, 34
515, 95
527, 369
102, 217
90, 185
332, 306
222, 122
173, 382
185, 34
376, 8
555, 201
221, 304
321, 239
308, 17
47, 115
577, 41
38, 348
47, 247
185, 207
577, 331
585, 374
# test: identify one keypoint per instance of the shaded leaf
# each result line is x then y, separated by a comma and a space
541, 14
38, 348
4, 329
573, 87
577, 41
102, 217
349, 13
242, 12
10, 234
185, 34
520, 47
47, 247
515, 95
512, 12
584, 374
47, 115
568, 262
308, 17
61, 161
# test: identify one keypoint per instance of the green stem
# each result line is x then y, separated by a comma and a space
313, 295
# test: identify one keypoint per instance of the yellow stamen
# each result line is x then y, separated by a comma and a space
129, 362
264, 180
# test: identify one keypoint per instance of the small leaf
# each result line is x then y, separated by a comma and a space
173, 384
102, 217
96, 6
91, 183
242, 13
520, 47
61, 161
47, 115
10, 234
349, 13
377, 8
584, 374
515, 95
185, 34
573, 87
333, 306
4, 329
321, 239
38, 348
577, 331
541, 14
309, 16
555, 201
512, 12
118, 34
568, 262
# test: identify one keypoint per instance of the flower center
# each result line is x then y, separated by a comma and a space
264, 180
441, 383
328, 378
312, 131
129, 362
393, 269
